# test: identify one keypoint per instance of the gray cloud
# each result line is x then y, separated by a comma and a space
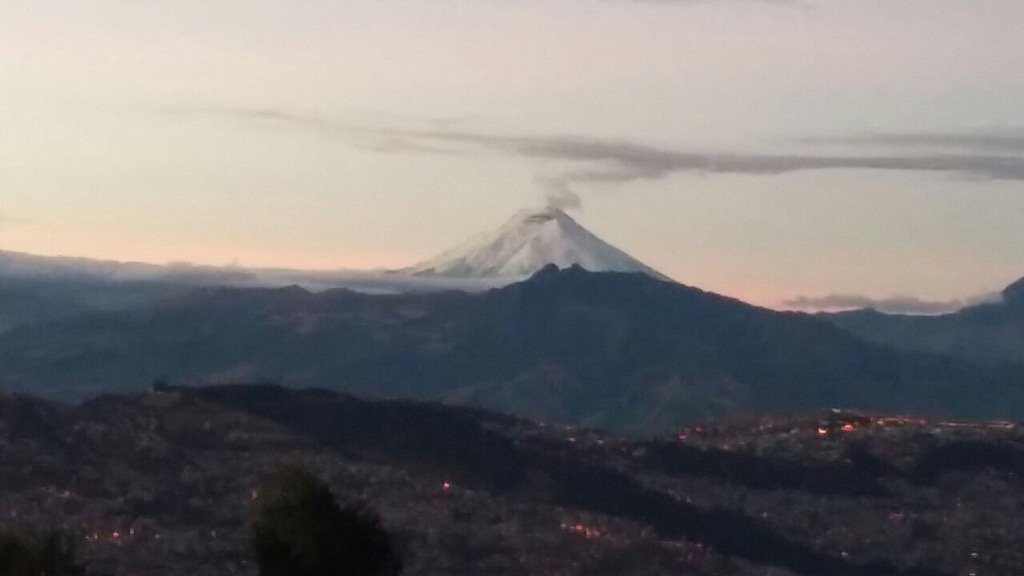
892, 305
619, 161
1008, 141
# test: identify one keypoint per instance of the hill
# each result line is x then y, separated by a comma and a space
163, 482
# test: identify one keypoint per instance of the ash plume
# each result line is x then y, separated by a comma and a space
558, 194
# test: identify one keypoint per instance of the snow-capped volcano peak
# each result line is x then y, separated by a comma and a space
529, 241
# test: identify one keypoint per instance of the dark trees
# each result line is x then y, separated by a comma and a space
300, 530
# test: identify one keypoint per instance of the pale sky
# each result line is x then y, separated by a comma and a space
762, 149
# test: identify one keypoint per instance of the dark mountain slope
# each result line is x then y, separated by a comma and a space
990, 334
34, 299
621, 351
475, 449
679, 349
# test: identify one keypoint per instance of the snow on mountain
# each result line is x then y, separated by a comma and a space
529, 241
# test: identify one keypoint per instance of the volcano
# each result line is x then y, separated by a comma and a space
528, 242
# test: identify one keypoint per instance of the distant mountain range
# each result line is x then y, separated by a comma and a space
20, 269
539, 318
990, 334
621, 351
529, 241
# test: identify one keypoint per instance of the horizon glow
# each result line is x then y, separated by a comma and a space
124, 135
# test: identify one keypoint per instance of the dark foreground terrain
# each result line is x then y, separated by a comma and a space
163, 483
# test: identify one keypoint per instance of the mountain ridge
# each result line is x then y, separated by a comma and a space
622, 351
990, 334
1014, 293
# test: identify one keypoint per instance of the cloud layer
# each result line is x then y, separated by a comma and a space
1004, 141
891, 305
595, 160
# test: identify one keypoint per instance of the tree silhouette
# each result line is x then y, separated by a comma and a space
300, 530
